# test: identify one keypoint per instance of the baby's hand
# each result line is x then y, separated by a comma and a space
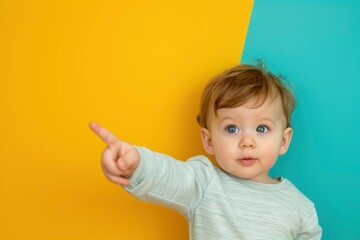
119, 159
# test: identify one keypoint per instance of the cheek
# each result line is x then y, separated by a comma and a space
271, 147
224, 161
224, 150
220, 142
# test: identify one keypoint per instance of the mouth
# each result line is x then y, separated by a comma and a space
247, 161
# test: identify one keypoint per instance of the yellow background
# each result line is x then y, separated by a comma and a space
138, 68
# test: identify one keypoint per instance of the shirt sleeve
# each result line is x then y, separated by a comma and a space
310, 229
164, 180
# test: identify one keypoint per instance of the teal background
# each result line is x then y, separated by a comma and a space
315, 44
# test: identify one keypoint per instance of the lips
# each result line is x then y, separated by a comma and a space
247, 161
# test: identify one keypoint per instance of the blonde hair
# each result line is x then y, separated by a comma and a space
238, 85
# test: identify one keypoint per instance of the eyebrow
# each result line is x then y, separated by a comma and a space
260, 119
226, 118
268, 119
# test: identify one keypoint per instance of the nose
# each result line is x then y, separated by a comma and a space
247, 142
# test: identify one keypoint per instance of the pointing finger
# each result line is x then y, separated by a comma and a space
104, 134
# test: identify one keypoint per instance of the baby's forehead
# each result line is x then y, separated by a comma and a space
257, 104
271, 108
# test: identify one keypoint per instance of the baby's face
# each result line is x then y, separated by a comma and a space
246, 141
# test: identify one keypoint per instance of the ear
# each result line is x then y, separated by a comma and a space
207, 142
286, 139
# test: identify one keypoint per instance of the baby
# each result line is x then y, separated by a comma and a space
245, 124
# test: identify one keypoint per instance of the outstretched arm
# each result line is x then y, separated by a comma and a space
154, 177
119, 159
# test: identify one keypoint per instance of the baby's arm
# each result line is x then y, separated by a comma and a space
119, 159
152, 176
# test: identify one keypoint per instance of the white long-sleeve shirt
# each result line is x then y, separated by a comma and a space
219, 205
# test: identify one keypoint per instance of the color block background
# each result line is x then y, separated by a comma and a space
137, 67
315, 44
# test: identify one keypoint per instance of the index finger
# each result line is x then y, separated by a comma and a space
103, 133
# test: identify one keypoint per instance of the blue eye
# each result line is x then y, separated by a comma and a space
262, 129
232, 129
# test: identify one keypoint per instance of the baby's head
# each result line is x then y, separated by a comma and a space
240, 84
245, 119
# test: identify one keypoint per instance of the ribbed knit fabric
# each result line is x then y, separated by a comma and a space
219, 205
